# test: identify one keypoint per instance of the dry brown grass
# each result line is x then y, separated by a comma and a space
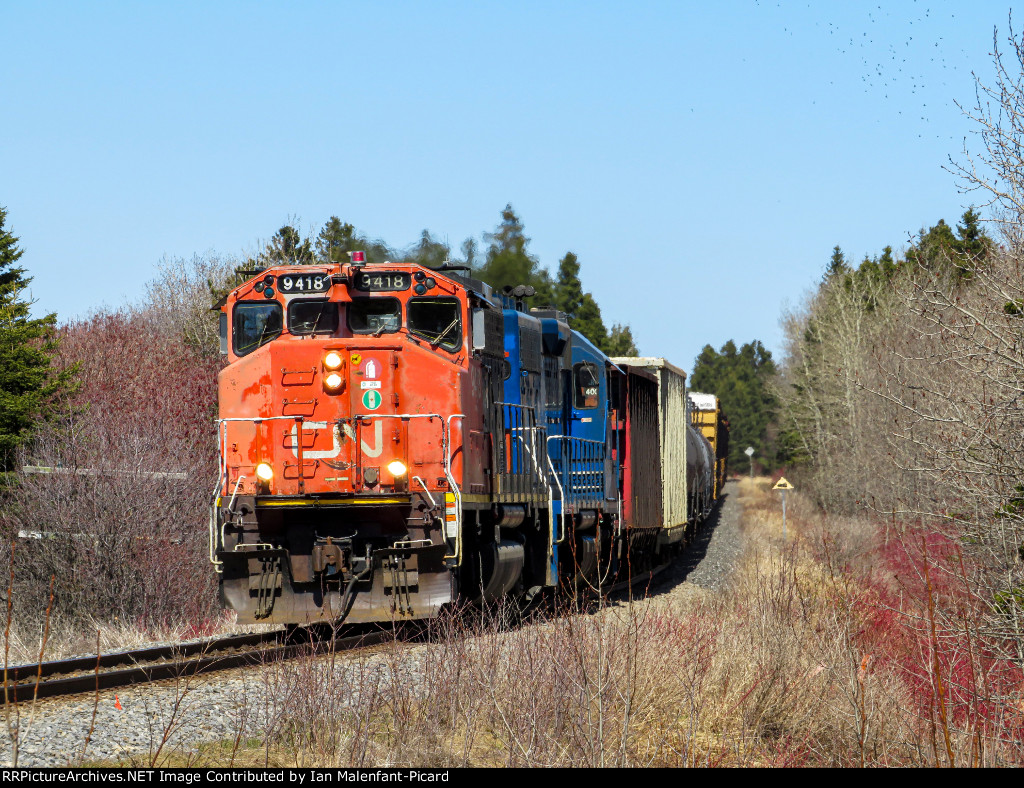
771, 671
78, 637
799, 661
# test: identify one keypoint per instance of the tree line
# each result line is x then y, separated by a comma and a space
901, 390
741, 378
506, 261
864, 355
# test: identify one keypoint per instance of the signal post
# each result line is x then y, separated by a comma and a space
782, 486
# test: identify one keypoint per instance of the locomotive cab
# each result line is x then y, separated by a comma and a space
343, 407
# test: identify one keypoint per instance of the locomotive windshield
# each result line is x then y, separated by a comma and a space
374, 315
255, 324
312, 317
438, 320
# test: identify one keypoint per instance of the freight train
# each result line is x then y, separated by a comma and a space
394, 438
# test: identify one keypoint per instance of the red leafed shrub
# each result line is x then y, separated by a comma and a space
123, 478
925, 618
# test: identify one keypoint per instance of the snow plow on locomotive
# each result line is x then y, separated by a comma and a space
394, 438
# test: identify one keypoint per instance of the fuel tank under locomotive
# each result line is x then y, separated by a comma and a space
328, 564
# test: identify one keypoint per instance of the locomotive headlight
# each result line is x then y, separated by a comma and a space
264, 472
333, 381
332, 360
397, 468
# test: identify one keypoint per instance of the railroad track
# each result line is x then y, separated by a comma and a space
141, 666
147, 665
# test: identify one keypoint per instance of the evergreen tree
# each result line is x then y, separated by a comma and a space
934, 247
620, 342
837, 266
886, 264
338, 238
508, 261
973, 246
584, 314
28, 384
469, 252
568, 288
588, 321
335, 241
428, 252
973, 240
545, 296
287, 247
956, 254
741, 381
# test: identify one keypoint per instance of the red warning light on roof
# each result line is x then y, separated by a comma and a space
358, 257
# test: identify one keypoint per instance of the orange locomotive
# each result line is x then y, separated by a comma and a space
337, 469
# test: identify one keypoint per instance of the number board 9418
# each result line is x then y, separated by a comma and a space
290, 284
379, 282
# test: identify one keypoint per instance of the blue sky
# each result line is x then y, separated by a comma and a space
701, 159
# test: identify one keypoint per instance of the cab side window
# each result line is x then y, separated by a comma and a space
586, 385
438, 320
255, 324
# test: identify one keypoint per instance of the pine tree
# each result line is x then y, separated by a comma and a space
469, 252
588, 321
837, 265
544, 297
973, 246
620, 342
585, 315
886, 264
335, 241
974, 242
338, 238
958, 255
740, 379
28, 384
428, 252
934, 248
568, 288
508, 261
287, 247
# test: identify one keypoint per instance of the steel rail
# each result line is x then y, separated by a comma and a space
145, 666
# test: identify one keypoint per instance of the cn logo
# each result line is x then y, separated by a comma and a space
370, 451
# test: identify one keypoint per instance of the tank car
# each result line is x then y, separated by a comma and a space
393, 438
707, 416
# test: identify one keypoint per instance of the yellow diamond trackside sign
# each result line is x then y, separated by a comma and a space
782, 484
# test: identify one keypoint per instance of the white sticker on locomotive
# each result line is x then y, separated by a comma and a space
369, 384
